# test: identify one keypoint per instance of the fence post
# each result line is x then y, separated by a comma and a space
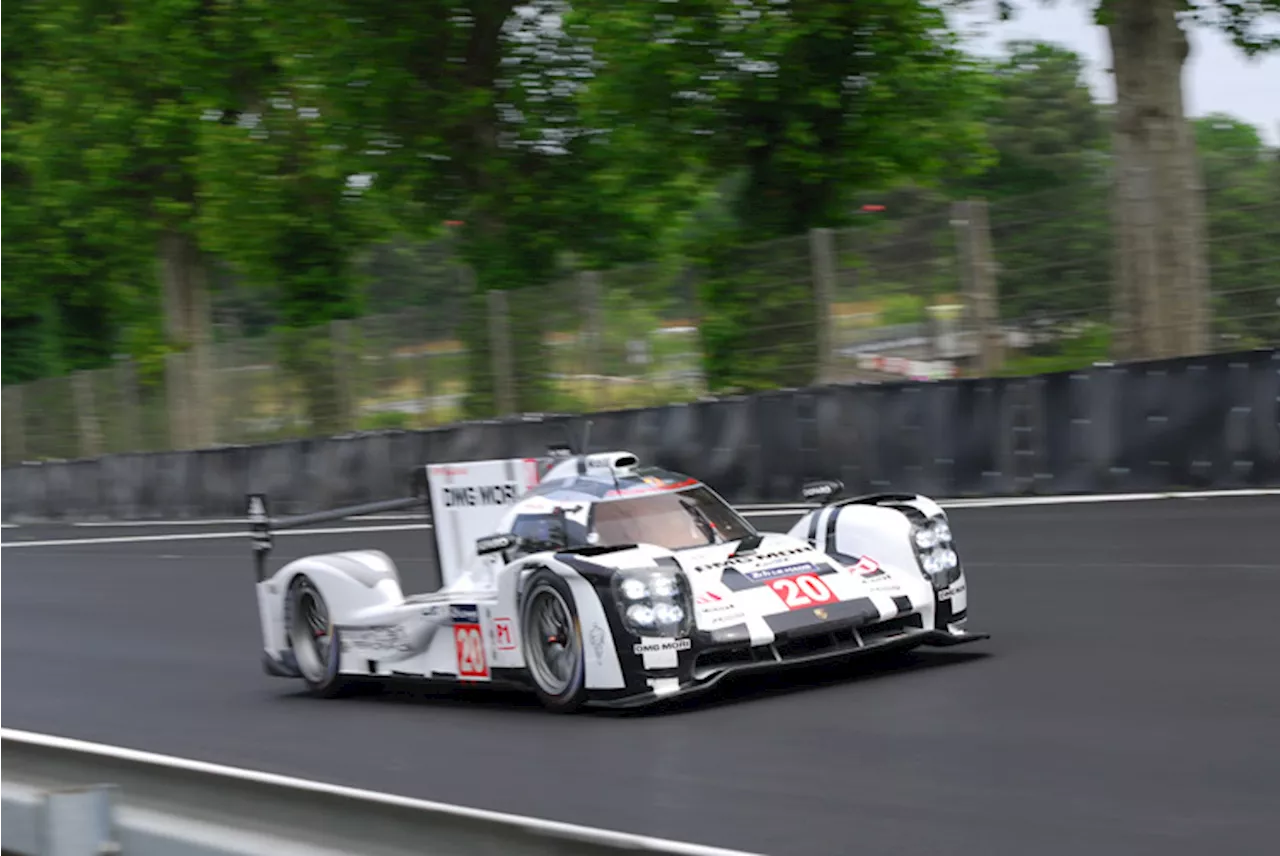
822, 258
340, 347
175, 394
15, 426
592, 291
200, 403
77, 821
90, 437
973, 236
130, 404
500, 352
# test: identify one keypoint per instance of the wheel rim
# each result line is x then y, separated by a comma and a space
311, 633
553, 646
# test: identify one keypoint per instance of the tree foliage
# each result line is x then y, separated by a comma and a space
799, 106
292, 148
1158, 207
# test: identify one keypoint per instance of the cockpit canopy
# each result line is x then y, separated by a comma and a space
652, 508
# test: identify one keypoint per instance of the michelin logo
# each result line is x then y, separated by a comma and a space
661, 645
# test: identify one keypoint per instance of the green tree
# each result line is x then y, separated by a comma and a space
1242, 182
460, 111
27, 346
1048, 186
277, 203
1159, 202
788, 109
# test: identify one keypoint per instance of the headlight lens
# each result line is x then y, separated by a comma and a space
654, 602
936, 551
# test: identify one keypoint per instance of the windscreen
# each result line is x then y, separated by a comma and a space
676, 520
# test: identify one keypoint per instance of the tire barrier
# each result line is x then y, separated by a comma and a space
1208, 422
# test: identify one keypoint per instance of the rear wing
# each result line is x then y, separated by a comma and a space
463, 501
262, 524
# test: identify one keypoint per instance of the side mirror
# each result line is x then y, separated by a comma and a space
499, 543
822, 491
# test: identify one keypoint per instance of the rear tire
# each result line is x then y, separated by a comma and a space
313, 638
551, 636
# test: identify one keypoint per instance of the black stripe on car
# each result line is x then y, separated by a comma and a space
842, 613
831, 530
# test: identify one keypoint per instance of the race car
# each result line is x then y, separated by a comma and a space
603, 582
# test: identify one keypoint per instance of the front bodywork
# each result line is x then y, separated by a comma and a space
784, 605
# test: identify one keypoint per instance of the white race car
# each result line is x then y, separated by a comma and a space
602, 582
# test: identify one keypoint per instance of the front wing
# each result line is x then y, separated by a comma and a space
710, 664
657, 669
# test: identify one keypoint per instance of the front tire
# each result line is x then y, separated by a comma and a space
313, 638
552, 639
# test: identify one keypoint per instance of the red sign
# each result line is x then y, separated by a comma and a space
502, 629
470, 647
802, 591
868, 567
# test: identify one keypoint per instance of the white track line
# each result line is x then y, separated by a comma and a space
746, 511
224, 521
205, 536
604, 837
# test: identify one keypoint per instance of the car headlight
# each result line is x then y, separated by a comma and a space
936, 552
653, 601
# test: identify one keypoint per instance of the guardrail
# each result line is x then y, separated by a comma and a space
1209, 422
66, 797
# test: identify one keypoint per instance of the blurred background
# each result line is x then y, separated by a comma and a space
239, 222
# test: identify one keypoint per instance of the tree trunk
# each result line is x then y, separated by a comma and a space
1160, 302
188, 327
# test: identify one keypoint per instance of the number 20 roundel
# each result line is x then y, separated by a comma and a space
803, 590
470, 649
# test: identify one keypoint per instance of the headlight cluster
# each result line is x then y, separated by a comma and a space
936, 551
653, 601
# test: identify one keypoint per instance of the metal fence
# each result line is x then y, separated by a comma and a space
66, 797
921, 289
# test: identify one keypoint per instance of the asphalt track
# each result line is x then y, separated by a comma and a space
1128, 702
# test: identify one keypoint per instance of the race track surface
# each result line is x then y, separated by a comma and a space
1127, 703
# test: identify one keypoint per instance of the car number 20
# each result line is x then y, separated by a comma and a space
470, 646
802, 591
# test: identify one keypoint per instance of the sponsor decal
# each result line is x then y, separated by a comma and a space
802, 591
450, 471
953, 590
868, 568
763, 574
472, 496
470, 650
504, 637
596, 638
820, 490
494, 543
385, 638
661, 645
464, 613
714, 610
754, 560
